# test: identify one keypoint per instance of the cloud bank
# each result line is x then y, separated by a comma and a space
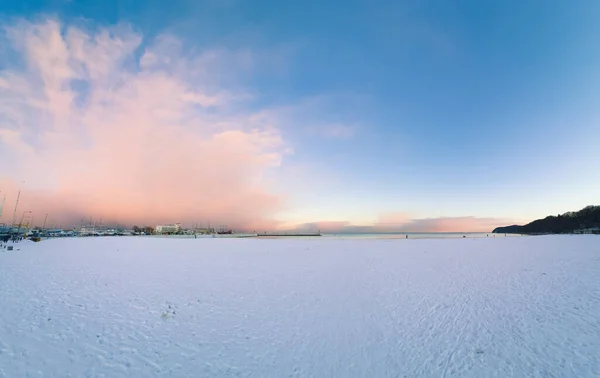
390, 223
99, 122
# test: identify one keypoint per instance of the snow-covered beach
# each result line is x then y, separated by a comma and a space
147, 307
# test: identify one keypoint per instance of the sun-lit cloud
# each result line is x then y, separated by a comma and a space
454, 224
402, 222
100, 122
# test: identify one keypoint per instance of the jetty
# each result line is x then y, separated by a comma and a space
234, 235
292, 234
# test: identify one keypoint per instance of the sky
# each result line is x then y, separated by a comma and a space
439, 116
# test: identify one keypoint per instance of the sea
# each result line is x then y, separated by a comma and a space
417, 235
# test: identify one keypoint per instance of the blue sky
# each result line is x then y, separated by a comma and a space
431, 109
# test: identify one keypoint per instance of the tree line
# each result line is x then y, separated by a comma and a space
569, 222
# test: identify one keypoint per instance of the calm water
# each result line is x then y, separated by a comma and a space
419, 235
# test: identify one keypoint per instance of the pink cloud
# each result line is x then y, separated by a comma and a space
401, 222
324, 226
454, 224
94, 135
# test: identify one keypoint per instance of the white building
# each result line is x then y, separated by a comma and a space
168, 228
85, 231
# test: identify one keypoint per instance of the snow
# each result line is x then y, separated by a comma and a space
151, 307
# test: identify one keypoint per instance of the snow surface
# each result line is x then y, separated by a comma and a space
147, 307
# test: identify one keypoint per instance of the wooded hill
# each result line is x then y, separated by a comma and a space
584, 219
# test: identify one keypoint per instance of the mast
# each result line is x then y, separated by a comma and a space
15, 212
2, 204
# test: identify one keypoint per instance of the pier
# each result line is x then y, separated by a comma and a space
303, 234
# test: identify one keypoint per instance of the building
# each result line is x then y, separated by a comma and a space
168, 228
594, 230
88, 231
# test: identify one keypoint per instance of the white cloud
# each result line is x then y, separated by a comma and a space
338, 131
